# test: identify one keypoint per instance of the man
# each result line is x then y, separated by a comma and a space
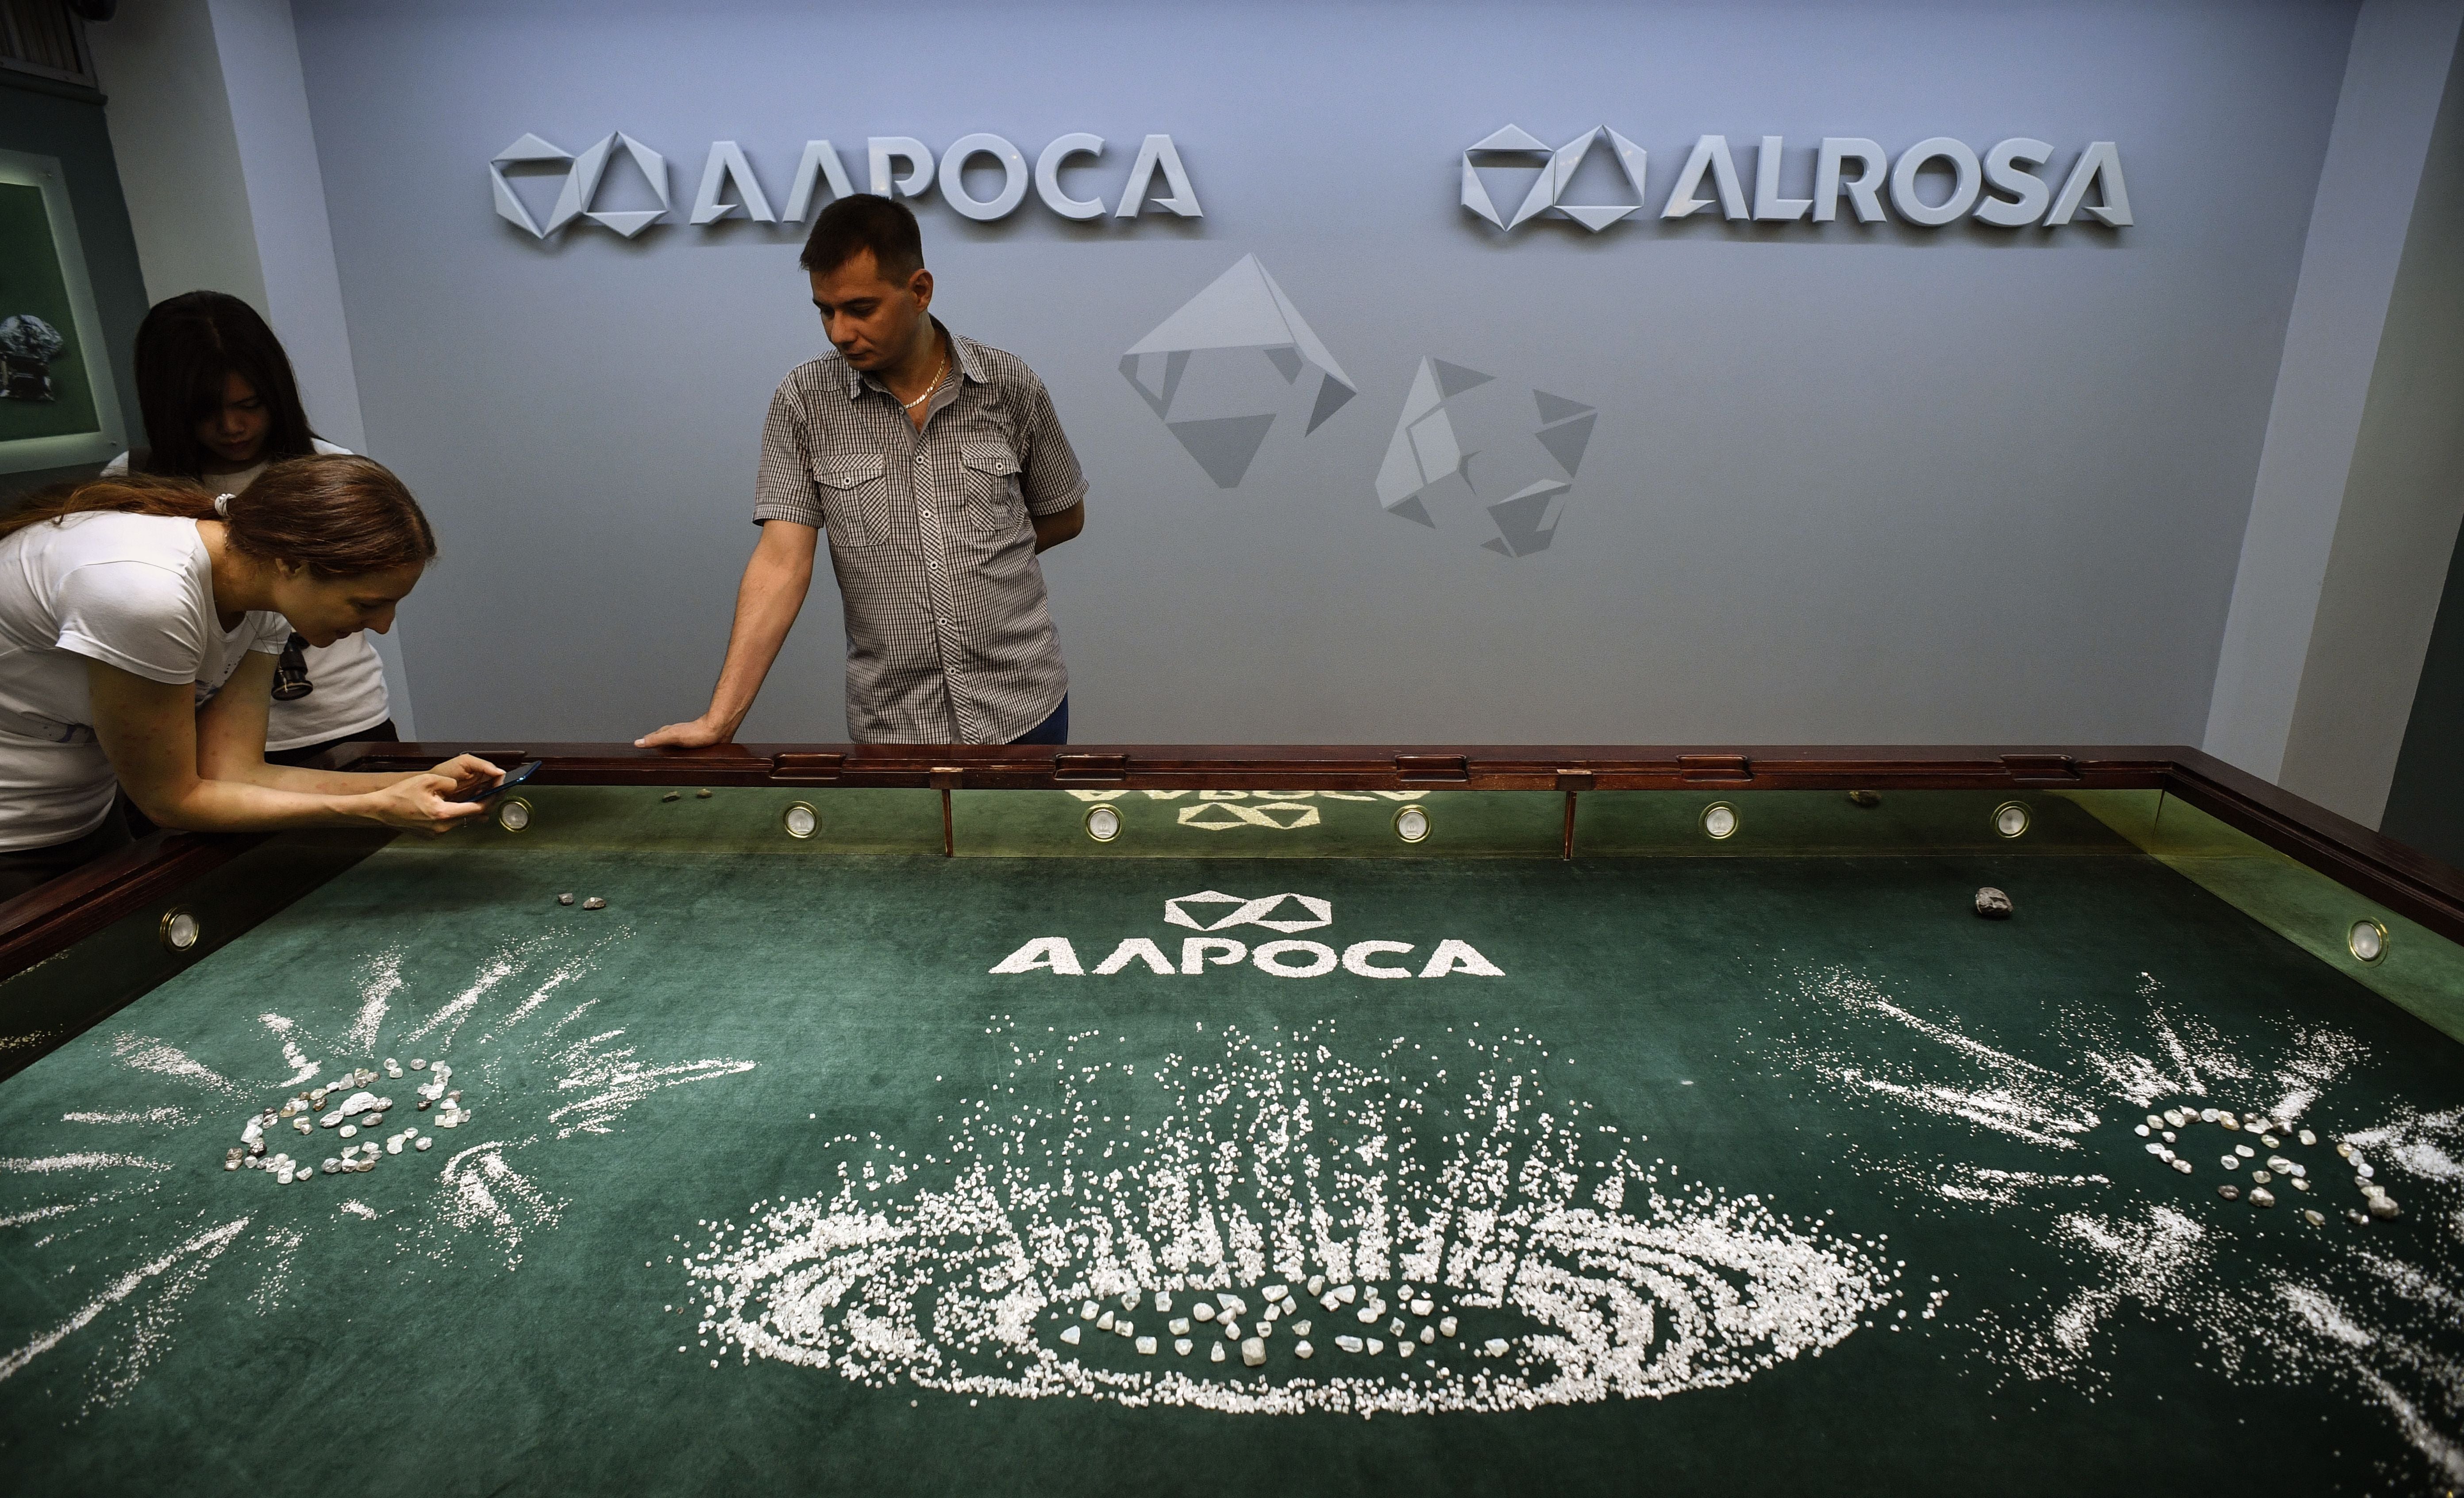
939, 469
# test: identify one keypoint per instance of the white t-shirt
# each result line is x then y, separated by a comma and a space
135, 591
347, 675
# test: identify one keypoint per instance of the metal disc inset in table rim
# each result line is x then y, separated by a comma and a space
2011, 819
513, 814
1102, 822
1719, 821
2366, 940
1412, 824
179, 930
801, 819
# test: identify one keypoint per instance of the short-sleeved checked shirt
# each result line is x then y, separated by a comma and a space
949, 639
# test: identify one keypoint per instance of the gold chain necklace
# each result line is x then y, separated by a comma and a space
939, 371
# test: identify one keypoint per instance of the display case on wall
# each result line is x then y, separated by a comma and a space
57, 403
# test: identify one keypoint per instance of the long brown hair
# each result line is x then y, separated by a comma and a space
339, 516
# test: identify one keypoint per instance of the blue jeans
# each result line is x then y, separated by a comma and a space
1053, 730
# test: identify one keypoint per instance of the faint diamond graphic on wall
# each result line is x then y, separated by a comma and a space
1472, 451
1235, 358
583, 176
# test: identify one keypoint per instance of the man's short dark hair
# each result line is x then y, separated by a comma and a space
851, 226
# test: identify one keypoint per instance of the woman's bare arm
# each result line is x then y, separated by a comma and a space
199, 770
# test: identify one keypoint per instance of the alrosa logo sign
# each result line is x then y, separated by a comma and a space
1212, 912
895, 165
2003, 189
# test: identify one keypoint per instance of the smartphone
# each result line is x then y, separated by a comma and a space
513, 777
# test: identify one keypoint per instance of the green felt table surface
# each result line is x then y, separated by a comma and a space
1777, 1168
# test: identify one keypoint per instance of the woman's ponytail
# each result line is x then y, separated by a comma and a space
339, 516
129, 493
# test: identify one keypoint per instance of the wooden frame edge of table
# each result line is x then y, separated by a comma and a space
53, 918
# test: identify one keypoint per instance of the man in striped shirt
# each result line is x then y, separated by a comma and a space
939, 469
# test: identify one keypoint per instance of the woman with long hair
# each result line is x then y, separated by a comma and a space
140, 618
220, 404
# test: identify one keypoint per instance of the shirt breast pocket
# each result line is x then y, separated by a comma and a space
989, 470
856, 499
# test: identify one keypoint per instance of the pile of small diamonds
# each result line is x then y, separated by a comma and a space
1227, 1312
2163, 1131
354, 1109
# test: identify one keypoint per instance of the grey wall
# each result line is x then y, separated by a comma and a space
66, 121
171, 117
2402, 507
2418, 401
1847, 484
2340, 562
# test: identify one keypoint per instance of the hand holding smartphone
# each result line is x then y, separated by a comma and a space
510, 778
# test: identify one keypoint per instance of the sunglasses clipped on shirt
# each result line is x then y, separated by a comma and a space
291, 681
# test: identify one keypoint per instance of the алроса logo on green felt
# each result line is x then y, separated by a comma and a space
1290, 958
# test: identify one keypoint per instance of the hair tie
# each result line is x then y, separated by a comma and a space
222, 505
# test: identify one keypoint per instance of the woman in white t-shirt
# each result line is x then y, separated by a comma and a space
140, 619
219, 404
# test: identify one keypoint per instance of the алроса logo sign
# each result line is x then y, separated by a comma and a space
1285, 913
1999, 189
896, 166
